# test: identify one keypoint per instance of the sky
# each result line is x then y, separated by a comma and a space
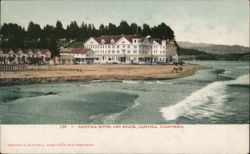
198, 21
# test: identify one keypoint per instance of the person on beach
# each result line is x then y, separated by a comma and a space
175, 69
180, 67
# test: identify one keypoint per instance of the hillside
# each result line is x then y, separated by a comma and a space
214, 48
192, 54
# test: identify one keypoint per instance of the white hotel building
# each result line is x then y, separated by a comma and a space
131, 49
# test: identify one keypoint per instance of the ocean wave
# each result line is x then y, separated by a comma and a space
129, 81
242, 67
242, 80
148, 82
110, 119
136, 104
201, 103
159, 82
227, 72
94, 81
204, 102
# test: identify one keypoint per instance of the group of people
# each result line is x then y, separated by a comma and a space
177, 67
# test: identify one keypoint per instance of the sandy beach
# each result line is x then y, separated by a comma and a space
64, 73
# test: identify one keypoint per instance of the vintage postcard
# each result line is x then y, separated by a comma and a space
123, 76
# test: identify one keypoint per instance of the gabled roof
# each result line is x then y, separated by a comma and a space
108, 38
44, 51
158, 40
35, 51
75, 50
25, 51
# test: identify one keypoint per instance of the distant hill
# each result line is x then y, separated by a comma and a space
214, 48
192, 54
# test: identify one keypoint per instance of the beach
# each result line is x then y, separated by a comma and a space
64, 73
209, 96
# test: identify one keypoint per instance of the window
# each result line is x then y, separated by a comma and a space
102, 41
134, 51
117, 51
128, 51
123, 46
135, 46
128, 46
112, 41
117, 46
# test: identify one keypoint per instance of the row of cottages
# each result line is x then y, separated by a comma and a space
76, 56
132, 49
25, 56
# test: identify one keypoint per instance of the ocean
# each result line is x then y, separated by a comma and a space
219, 95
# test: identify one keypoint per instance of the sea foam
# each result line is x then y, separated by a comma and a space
110, 119
212, 93
129, 81
242, 80
204, 102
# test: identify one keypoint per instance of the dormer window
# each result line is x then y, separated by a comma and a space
102, 41
112, 41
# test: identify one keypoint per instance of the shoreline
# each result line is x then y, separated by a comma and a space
97, 72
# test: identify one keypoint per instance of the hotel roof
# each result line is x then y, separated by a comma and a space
108, 38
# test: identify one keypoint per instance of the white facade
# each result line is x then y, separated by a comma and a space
131, 49
76, 55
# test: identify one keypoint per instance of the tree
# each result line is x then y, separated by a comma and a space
14, 34
124, 28
53, 48
73, 30
134, 28
43, 43
163, 31
48, 32
103, 30
34, 31
59, 31
112, 29
146, 30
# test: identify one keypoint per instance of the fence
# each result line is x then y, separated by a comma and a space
4, 68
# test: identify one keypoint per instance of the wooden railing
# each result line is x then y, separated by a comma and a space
4, 68
13, 68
